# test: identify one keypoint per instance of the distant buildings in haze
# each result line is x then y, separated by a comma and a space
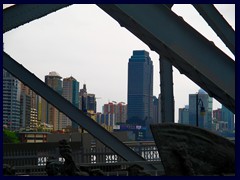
220, 120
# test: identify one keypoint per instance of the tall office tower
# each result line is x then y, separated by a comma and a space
140, 89
91, 103
50, 114
29, 108
83, 98
228, 116
87, 101
204, 120
183, 114
11, 101
70, 92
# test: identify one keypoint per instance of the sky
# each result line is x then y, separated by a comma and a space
84, 42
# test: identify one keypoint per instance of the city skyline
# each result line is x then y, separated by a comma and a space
90, 46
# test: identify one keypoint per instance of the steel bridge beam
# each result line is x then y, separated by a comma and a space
71, 111
216, 21
20, 14
166, 83
190, 52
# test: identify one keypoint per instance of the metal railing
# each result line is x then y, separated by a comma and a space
31, 158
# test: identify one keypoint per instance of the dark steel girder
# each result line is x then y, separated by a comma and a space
21, 14
190, 52
217, 22
76, 115
166, 83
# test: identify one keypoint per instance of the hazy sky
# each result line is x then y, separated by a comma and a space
84, 42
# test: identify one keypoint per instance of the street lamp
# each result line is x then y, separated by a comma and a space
202, 109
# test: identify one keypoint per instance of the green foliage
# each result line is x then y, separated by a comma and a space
10, 137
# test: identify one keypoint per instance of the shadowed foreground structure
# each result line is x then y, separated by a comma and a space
191, 151
69, 168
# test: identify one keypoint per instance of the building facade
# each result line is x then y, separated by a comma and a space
228, 117
121, 115
140, 89
70, 92
183, 115
204, 120
11, 101
87, 101
50, 114
118, 110
29, 109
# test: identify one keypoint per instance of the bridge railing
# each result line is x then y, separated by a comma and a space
31, 158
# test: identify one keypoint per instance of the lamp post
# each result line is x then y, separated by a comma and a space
202, 109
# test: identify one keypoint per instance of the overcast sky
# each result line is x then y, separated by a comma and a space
84, 42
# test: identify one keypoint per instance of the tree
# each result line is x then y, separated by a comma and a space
10, 137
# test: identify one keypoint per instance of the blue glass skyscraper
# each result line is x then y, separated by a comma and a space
11, 101
70, 92
140, 88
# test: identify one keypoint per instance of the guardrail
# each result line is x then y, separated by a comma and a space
31, 158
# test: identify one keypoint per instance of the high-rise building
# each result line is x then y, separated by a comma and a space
116, 110
91, 102
183, 115
11, 101
140, 89
204, 120
228, 117
25, 109
109, 108
121, 114
29, 109
87, 101
70, 92
50, 114
83, 98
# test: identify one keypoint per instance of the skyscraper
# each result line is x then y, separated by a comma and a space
51, 114
29, 108
140, 88
87, 101
204, 121
70, 92
11, 101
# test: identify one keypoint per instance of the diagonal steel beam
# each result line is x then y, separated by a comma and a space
190, 52
71, 111
217, 22
20, 14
